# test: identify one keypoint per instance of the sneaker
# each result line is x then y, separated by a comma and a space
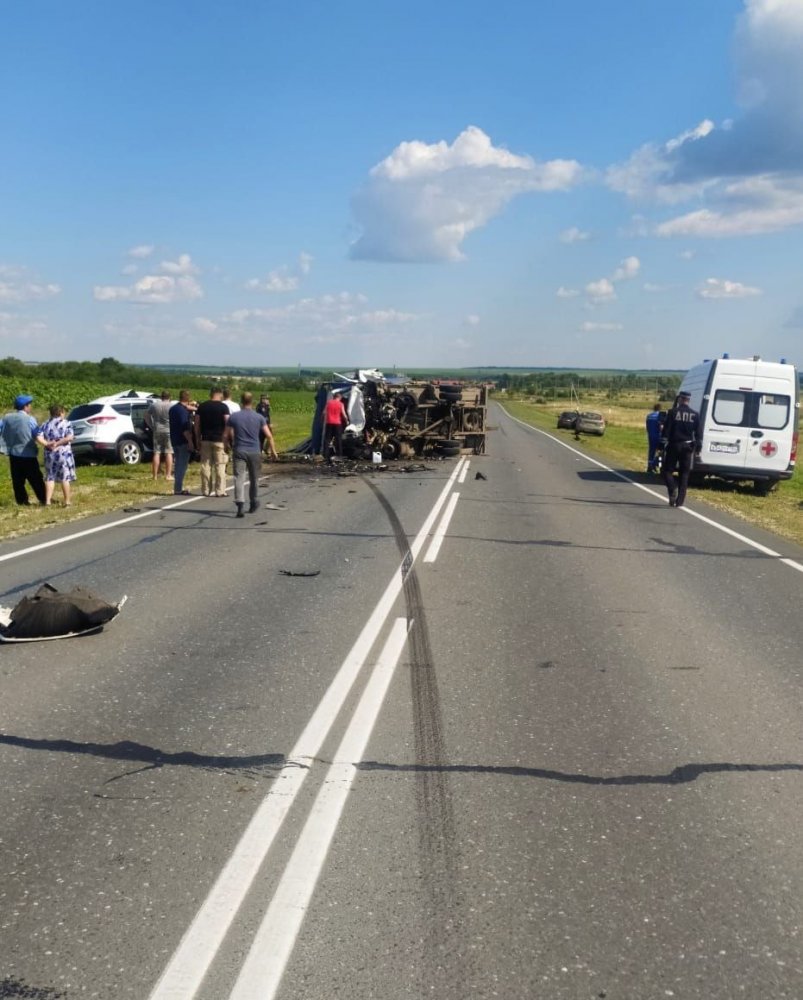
253, 508
240, 511
673, 500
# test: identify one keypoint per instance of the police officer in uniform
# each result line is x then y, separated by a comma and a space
682, 440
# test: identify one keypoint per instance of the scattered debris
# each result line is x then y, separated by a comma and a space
132, 510
275, 506
479, 475
300, 572
52, 614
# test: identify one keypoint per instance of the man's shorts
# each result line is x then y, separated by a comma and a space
161, 443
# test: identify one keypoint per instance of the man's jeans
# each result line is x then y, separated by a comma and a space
247, 463
181, 460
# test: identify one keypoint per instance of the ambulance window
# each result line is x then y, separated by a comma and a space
729, 407
773, 411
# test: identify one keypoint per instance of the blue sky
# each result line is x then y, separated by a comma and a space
591, 183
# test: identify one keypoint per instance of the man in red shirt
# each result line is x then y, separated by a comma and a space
335, 418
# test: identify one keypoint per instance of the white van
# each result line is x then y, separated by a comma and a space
749, 419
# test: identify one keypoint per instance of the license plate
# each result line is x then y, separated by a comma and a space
730, 449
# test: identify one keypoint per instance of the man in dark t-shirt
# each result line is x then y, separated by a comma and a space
245, 433
180, 418
210, 426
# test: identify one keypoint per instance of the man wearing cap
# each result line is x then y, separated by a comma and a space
20, 435
682, 441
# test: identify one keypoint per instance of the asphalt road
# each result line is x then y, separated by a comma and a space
559, 757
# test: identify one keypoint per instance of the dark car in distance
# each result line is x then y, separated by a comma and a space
567, 419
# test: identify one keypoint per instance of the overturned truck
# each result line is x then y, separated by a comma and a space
401, 418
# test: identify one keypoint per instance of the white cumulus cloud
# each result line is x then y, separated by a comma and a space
284, 278
600, 291
748, 171
20, 284
567, 293
151, 289
204, 324
142, 251
183, 265
721, 288
628, 269
589, 327
423, 200
574, 235
471, 320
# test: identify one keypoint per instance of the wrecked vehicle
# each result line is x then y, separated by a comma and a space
396, 417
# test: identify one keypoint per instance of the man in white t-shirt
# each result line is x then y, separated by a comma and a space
232, 406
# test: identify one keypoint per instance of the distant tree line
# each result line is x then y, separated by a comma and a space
114, 372
561, 384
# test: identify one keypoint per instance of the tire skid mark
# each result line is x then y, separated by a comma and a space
437, 835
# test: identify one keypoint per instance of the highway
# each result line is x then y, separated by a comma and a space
506, 727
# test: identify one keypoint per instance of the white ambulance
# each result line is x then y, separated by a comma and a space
749, 418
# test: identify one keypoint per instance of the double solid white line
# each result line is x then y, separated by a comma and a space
190, 963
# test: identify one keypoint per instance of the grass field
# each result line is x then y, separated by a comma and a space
103, 488
624, 446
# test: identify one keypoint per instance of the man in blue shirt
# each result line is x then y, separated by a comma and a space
245, 433
181, 417
20, 436
655, 426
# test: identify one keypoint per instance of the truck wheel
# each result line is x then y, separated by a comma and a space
129, 451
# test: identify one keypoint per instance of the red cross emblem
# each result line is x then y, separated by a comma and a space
768, 449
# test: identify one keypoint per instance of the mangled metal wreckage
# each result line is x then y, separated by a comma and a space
402, 418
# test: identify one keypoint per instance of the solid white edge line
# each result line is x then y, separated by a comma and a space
275, 939
105, 527
190, 962
440, 532
659, 496
464, 473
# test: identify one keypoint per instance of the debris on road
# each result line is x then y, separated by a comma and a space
53, 614
299, 572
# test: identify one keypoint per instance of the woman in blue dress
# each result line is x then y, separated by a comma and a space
59, 459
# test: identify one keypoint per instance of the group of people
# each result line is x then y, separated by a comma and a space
212, 429
677, 439
21, 436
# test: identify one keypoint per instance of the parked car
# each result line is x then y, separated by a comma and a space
112, 428
590, 422
567, 419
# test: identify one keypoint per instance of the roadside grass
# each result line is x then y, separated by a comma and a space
624, 446
109, 487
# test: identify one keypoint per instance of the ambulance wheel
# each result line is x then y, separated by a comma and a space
763, 487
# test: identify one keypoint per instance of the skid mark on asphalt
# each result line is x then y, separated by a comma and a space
437, 834
681, 775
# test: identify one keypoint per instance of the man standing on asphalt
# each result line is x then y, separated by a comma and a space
335, 418
245, 432
655, 425
181, 427
157, 417
20, 435
210, 424
682, 440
